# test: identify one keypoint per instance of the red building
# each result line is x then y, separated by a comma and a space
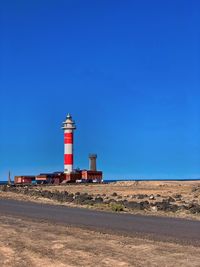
72, 177
92, 175
24, 179
50, 178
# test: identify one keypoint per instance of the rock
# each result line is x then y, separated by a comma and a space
145, 204
166, 206
151, 197
82, 198
89, 202
193, 208
170, 199
133, 196
173, 208
177, 196
183, 207
154, 208
68, 198
45, 194
98, 200
109, 201
141, 196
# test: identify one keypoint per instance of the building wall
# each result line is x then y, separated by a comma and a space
53, 178
72, 177
92, 175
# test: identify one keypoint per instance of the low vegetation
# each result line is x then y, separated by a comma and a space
117, 207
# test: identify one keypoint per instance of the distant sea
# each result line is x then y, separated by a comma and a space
145, 180
3, 182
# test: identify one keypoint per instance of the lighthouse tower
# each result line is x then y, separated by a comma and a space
68, 127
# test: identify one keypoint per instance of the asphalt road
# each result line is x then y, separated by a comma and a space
159, 228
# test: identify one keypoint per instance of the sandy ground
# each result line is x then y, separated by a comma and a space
131, 188
31, 243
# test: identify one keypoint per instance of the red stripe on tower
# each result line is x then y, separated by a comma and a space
68, 159
68, 138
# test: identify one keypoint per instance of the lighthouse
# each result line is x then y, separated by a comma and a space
68, 127
70, 175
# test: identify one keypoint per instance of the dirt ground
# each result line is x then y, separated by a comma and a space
31, 243
125, 189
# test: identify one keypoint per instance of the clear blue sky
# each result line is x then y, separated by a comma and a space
128, 72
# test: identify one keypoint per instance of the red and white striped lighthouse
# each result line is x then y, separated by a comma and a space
68, 127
